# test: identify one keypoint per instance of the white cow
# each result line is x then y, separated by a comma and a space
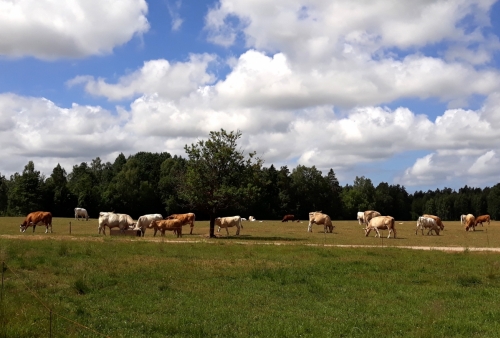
243, 219
427, 222
462, 219
251, 219
80, 212
112, 220
145, 220
228, 222
381, 223
361, 218
317, 217
470, 222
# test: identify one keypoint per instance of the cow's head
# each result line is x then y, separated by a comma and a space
23, 227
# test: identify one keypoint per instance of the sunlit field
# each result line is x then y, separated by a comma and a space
344, 233
245, 286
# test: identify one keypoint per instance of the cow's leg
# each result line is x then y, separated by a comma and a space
309, 227
154, 235
218, 230
192, 226
237, 230
227, 231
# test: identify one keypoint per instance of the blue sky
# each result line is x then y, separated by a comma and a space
402, 93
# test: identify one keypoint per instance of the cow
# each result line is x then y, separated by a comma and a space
144, 221
437, 219
36, 217
481, 219
427, 222
367, 216
462, 219
251, 219
243, 219
361, 217
317, 217
470, 222
287, 218
112, 220
188, 218
381, 223
228, 222
80, 212
174, 225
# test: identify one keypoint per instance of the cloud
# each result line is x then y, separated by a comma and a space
173, 11
69, 29
171, 80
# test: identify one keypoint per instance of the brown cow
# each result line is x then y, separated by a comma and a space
470, 222
481, 219
381, 223
188, 218
174, 225
287, 218
437, 219
36, 217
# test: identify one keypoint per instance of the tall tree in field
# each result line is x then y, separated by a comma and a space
4, 200
218, 175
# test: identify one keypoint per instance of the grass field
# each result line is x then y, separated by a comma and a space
154, 287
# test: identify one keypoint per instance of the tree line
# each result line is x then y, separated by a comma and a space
216, 179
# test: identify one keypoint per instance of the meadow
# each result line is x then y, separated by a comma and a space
274, 280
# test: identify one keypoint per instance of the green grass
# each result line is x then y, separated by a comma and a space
132, 287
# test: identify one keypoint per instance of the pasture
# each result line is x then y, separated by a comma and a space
242, 286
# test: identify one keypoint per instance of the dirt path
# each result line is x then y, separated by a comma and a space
206, 240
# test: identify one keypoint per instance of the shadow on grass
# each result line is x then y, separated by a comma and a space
260, 238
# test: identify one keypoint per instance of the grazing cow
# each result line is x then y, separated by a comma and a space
36, 217
188, 218
144, 221
112, 220
80, 212
437, 219
174, 225
470, 222
229, 222
427, 222
287, 218
317, 217
481, 219
381, 223
462, 219
251, 219
243, 219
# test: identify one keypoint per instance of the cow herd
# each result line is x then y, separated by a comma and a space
370, 219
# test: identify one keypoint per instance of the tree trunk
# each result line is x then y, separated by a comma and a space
212, 224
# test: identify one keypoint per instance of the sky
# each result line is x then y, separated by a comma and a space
403, 92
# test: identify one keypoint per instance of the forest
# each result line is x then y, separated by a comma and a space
148, 182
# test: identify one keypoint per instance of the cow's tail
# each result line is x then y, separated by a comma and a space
393, 226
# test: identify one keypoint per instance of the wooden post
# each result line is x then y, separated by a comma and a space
70, 228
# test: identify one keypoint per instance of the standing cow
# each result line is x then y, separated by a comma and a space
229, 222
36, 217
427, 222
144, 221
481, 219
162, 225
81, 212
112, 220
437, 219
287, 218
188, 218
381, 223
317, 217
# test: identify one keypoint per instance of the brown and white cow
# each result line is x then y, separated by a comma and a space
174, 225
188, 218
437, 219
470, 222
112, 220
482, 219
229, 222
287, 218
36, 217
381, 223
317, 217
427, 222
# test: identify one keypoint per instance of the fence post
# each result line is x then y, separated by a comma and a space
70, 228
